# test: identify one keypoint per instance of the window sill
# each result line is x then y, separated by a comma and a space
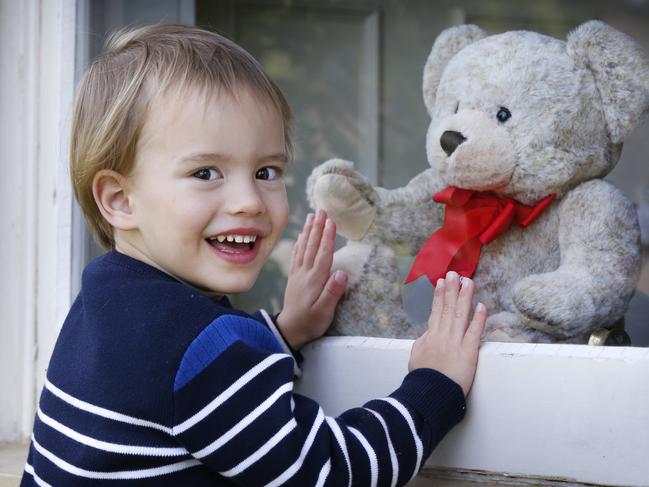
551, 413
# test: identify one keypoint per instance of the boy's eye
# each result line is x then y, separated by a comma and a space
208, 174
268, 173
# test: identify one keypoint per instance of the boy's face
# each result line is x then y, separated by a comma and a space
207, 189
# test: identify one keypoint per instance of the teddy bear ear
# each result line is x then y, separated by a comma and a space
621, 71
448, 44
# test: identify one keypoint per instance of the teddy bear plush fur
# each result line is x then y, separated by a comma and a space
568, 107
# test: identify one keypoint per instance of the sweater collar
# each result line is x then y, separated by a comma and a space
117, 258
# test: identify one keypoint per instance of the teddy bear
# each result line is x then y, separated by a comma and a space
524, 127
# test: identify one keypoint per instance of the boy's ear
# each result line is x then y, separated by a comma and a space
111, 196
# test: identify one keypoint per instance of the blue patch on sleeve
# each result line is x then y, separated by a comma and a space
216, 338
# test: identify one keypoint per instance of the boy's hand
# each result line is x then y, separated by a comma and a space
451, 343
312, 292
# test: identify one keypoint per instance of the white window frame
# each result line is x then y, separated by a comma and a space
38, 45
39, 222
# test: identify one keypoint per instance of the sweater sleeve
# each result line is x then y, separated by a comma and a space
236, 412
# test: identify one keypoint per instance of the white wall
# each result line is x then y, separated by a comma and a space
39, 54
16, 242
36, 86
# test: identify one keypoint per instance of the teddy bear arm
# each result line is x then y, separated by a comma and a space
600, 261
599, 233
408, 215
401, 218
405, 229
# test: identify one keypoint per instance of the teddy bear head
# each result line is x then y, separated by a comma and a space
525, 115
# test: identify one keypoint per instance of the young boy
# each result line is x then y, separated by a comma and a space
179, 144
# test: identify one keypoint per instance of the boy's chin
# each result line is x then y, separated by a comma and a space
226, 288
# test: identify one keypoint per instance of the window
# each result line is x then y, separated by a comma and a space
356, 95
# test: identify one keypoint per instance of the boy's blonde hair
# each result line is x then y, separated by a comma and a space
137, 65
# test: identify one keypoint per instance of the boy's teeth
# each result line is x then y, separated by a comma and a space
235, 238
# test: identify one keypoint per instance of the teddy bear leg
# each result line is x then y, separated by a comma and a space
372, 305
506, 326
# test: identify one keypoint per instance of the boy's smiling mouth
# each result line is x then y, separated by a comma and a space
237, 246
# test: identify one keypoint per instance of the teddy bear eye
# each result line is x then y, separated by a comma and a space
503, 115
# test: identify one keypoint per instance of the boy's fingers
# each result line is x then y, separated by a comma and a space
463, 307
438, 305
333, 291
450, 297
302, 239
313, 242
324, 257
294, 254
476, 327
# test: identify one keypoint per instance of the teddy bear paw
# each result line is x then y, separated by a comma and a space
347, 196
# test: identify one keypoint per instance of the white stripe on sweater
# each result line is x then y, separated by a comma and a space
333, 425
393, 455
39, 481
371, 454
262, 451
324, 473
292, 470
103, 412
118, 475
249, 418
411, 424
228, 393
297, 372
110, 447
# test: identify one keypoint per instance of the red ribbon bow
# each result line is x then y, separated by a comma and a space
471, 219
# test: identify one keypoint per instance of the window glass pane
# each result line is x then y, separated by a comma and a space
352, 73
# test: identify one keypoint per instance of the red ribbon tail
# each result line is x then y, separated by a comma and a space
466, 260
432, 260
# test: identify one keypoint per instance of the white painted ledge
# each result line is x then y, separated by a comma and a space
556, 412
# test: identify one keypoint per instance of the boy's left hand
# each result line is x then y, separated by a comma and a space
312, 292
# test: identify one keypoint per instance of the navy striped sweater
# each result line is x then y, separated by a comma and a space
153, 383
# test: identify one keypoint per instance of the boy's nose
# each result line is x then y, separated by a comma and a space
245, 198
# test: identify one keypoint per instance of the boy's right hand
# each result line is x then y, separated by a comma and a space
312, 291
450, 344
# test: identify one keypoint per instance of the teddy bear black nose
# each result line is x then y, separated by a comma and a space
450, 140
